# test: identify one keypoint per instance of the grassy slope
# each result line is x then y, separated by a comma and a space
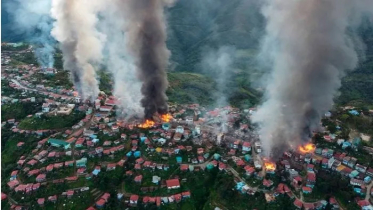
187, 87
190, 88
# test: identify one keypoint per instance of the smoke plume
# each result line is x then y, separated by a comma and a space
146, 33
309, 48
119, 62
32, 19
81, 43
218, 63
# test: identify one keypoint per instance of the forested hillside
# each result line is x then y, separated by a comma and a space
196, 27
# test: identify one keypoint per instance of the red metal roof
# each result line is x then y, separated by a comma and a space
173, 183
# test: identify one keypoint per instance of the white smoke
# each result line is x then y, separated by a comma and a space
309, 50
81, 42
32, 19
119, 61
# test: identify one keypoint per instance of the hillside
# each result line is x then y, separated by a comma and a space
357, 86
196, 26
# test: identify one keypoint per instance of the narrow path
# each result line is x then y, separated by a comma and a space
369, 187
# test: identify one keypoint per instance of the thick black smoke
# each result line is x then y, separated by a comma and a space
147, 40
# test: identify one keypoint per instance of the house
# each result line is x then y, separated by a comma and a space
100, 203
71, 178
59, 143
361, 168
173, 184
70, 193
222, 166
367, 179
156, 179
369, 172
81, 163
52, 198
186, 194
69, 163
356, 182
97, 170
35, 186
364, 204
13, 183
32, 162
308, 206
298, 203
297, 181
311, 179
20, 144
201, 159
13, 175
50, 167
249, 170
79, 143
246, 147
267, 182
41, 201
184, 167
133, 200
106, 108
33, 172
41, 178
81, 170
138, 179
110, 166
306, 190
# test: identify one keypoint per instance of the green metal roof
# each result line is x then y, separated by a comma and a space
58, 141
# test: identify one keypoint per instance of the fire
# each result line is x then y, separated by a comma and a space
269, 166
147, 124
166, 117
308, 148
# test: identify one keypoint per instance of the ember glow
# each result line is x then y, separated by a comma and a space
147, 124
269, 166
166, 117
308, 148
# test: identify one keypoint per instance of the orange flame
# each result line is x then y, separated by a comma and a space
308, 148
269, 166
166, 117
147, 124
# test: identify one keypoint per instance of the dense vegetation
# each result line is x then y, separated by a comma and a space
14, 48
357, 86
18, 111
51, 122
61, 78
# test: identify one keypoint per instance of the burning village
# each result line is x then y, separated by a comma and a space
175, 104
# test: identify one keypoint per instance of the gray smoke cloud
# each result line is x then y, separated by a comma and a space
309, 48
32, 19
146, 39
119, 62
218, 63
81, 43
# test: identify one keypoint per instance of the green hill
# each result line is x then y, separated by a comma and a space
187, 87
194, 26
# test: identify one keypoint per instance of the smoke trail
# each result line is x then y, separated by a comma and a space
309, 50
146, 39
218, 63
81, 43
32, 19
127, 87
